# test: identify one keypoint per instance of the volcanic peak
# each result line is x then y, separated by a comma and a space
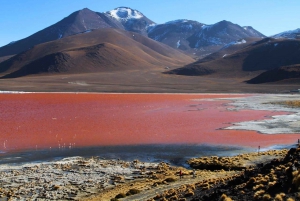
125, 13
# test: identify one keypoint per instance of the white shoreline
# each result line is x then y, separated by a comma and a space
276, 124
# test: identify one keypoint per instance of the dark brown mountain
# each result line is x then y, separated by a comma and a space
266, 54
78, 22
291, 73
229, 49
102, 50
5, 58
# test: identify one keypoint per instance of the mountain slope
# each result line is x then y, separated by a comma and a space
175, 33
78, 22
278, 74
266, 54
190, 36
99, 50
293, 34
220, 34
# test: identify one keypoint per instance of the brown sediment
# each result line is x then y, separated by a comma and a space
43, 120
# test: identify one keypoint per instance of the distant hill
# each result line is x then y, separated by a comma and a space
103, 50
279, 74
200, 39
292, 34
255, 58
220, 34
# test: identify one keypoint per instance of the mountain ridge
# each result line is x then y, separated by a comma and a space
124, 18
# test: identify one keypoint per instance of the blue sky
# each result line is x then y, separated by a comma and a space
21, 18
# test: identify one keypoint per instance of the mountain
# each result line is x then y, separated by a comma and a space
260, 56
253, 32
190, 36
200, 39
229, 49
293, 34
220, 34
103, 50
175, 33
131, 20
78, 22
291, 73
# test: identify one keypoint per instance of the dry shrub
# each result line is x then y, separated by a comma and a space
223, 197
278, 197
56, 187
257, 194
290, 199
170, 179
258, 186
282, 194
120, 195
189, 193
296, 179
133, 191
174, 197
271, 183
266, 197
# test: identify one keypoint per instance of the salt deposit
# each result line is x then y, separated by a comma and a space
70, 178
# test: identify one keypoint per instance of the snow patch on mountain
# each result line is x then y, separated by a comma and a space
150, 27
125, 13
177, 21
178, 44
238, 42
208, 39
292, 34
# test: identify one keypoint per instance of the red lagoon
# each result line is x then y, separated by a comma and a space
44, 120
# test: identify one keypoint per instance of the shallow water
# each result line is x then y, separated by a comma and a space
173, 154
56, 121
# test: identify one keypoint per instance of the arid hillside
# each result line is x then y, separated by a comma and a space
103, 50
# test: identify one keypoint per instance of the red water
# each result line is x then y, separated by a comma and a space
43, 120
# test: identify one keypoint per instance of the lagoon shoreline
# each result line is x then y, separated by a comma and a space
82, 177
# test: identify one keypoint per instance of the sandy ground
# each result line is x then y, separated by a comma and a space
146, 81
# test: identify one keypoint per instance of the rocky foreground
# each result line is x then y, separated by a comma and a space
265, 179
68, 179
270, 175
